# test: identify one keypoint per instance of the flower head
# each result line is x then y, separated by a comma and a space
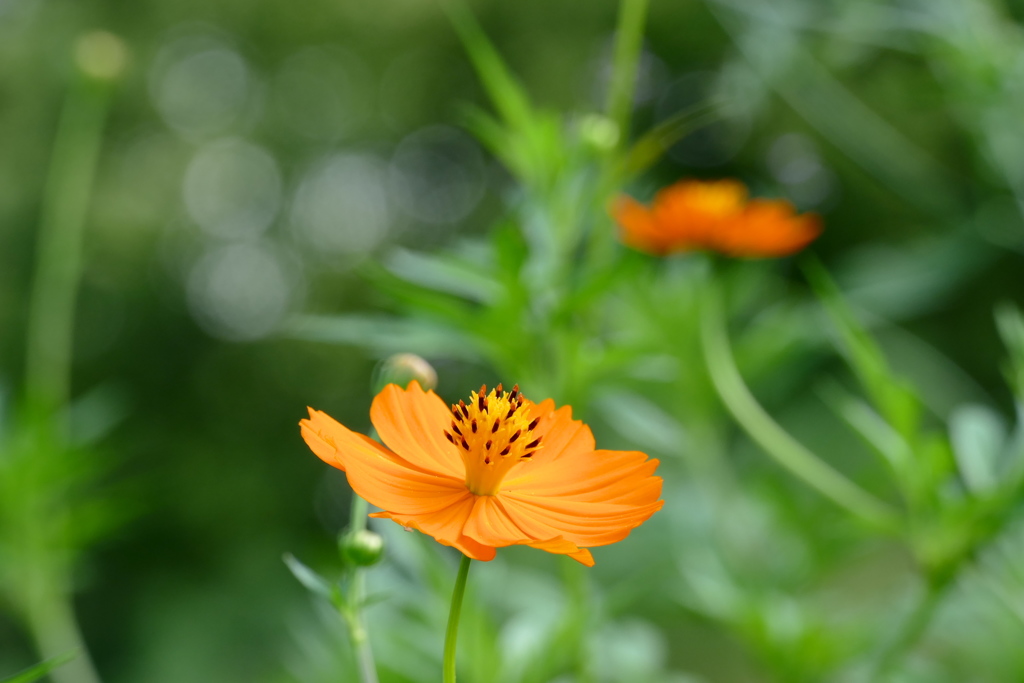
494, 471
715, 215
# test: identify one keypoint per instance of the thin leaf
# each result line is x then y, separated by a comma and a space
653, 144
506, 93
42, 669
978, 436
879, 434
309, 578
892, 396
444, 274
1010, 322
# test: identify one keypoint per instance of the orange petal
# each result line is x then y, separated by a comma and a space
581, 555
446, 528
768, 228
412, 422
560, 435
622, 477
691, 212
491, 525
639, 229
586, 524
375, 473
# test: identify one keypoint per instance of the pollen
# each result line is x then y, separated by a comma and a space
494, 432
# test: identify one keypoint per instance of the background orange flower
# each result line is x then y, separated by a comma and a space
714, 215
499, 470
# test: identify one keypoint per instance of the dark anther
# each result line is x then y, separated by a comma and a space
487, 460
481, 402
525, 456
465, 445
533, 424
465, 410
494, 427
483, 390
499, 391
487, 446
456, 413
511, 412
514, 437
449, 436
506, 450
532, 444
512, 394
473, 425
455, 427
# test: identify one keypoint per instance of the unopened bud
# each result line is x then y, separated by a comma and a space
361, 548
403, 368
101, 55
599, 132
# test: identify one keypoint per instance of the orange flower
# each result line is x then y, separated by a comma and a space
499, 470
715, 215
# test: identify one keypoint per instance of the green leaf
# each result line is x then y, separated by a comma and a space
309, 578
508, 96
444, 273
879, 434
653, 144
892, 396
1010, 323
978, 436
42, 669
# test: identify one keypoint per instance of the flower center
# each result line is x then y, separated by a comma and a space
494, 433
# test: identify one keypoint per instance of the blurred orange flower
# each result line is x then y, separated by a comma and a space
714, 215
498, 470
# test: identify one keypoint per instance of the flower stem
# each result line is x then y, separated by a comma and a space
452, 634
59, 253
628, 41
786, 450
353, 612
49, 613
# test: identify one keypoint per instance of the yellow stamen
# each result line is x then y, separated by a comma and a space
493, 433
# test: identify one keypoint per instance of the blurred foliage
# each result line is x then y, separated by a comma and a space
284, 197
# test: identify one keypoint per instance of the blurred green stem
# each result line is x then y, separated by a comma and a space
357, 589
452, 633
628, 42
786, 451
64, 209
59, 252
357, 628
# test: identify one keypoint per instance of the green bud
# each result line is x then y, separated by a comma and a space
362, 548
599, 132
403, 368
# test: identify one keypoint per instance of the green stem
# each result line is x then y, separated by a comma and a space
59, 252
628, 42
48, 610
786, 450
52, 624
354, 613
452, 634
